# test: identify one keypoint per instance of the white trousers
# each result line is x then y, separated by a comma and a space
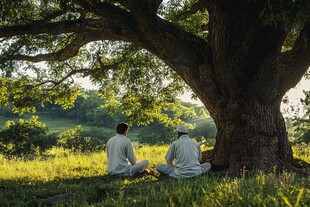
166, 169
139, 167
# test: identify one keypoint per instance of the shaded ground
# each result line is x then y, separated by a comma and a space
147, 190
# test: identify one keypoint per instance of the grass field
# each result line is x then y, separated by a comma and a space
54, 124
58, 125
61, 178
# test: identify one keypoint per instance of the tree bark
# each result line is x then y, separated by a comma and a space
250, 83
252, 136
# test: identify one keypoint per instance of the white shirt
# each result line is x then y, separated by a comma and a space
120, 155
184, 154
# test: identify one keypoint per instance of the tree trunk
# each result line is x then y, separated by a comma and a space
239, 79
252, 136
245, 54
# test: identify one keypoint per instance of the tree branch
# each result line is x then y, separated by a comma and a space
56, 28
200, 5
103, 68
69, 51
294, 63
104, 9
148, 6
85, 71
87, 30
47, 18
70, 74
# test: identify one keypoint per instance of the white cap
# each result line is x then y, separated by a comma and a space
182, 129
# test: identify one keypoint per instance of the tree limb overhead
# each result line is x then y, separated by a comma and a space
294, 63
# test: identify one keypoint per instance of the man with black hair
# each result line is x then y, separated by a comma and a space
183, 157
121, 157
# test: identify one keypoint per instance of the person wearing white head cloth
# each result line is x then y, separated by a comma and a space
183, 157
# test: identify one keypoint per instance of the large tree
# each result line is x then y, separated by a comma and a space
238, 57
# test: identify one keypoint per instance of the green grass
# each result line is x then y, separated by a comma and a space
54, 124
61, 178
58, 125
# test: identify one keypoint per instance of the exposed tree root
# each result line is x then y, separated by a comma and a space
301, 164
207, 156
298, 166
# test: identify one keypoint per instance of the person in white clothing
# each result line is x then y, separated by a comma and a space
121, 156
183, 157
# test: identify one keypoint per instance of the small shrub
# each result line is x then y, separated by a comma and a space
156, 133
99, 133
305, 136
207, 130
25, 137
78, 140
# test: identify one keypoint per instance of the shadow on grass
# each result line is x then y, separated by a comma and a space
77, 192
207, 190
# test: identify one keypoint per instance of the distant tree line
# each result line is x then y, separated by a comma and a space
28, 137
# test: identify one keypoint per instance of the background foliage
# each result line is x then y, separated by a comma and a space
25, 138
87, 126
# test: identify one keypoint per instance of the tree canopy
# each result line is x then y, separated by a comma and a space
43, 62
107, 41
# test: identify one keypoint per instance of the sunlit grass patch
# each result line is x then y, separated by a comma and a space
156, 154
60, 165
302, 151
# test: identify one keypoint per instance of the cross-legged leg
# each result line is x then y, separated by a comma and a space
164, 168
206, 167
139, 167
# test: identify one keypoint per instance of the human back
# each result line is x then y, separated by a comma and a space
183, 157
121, 156
118, 149
187, 152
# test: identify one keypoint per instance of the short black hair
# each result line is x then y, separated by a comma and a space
121, 128
181, 133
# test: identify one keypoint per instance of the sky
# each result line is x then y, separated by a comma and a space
294, 96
